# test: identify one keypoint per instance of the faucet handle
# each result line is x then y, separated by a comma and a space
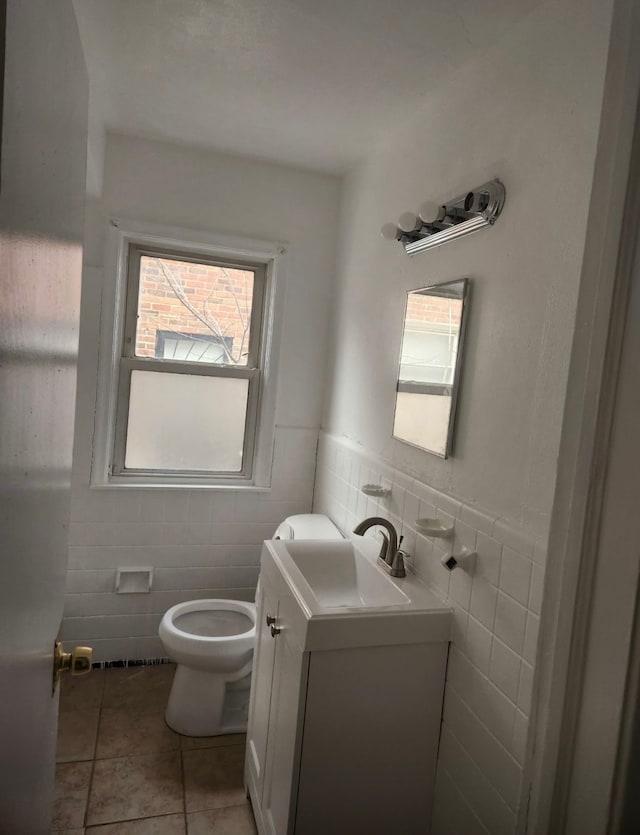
397, 566
384, 550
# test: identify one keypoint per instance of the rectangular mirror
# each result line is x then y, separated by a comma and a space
430, 362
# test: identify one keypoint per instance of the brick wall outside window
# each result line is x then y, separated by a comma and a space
218, 294
433, 309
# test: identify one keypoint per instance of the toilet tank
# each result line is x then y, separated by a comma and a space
307, 526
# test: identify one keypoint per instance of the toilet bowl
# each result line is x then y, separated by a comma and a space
212, 643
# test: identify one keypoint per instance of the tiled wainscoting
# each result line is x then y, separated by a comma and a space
200, 543
496, 615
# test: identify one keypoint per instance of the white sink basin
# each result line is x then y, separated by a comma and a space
341, 576
334, 595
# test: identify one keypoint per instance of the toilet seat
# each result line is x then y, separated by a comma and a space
186, 631
178, 614
213, 623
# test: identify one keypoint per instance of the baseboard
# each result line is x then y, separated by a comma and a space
131, 662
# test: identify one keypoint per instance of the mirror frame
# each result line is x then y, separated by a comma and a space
455, 386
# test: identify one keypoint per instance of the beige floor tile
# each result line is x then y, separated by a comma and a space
213, 778
165, 825
234, 820
138, 686
127, 731
135, 787
77, 731
81, 692
190, 743
71, 792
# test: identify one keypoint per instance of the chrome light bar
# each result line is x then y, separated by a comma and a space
436, 224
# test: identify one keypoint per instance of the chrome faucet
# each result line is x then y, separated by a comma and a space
390, 557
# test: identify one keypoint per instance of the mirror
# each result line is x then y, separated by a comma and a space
430, 362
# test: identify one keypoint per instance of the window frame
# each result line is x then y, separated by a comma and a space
117, 360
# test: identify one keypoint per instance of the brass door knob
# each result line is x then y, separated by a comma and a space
81, 660
78, 661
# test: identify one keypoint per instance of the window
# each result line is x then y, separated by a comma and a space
190, 350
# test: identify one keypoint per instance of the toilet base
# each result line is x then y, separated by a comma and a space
203, 703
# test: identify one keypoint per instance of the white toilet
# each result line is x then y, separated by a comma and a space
212, 643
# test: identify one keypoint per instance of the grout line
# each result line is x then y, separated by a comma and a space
481, 722
95, 749
463, 799
483, 773
184, 788
124, 820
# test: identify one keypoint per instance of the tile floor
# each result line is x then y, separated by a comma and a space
121, 771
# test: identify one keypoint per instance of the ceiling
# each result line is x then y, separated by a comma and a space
311, 83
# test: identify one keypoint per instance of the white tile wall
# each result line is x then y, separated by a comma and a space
494, 636
201, 543
453, 813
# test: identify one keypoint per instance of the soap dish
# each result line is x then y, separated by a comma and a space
375, 490
434, 527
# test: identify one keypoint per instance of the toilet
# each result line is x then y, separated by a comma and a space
212, 643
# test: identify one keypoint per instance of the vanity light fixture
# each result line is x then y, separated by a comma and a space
436, 224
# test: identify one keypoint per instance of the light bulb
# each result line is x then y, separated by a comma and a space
408, 222
430, 212
476, 201
389, 231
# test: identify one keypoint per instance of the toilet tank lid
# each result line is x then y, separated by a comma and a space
307, 526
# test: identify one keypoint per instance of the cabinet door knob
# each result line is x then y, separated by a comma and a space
275, 630
270, 620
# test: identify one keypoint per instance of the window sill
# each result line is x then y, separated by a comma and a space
193, 485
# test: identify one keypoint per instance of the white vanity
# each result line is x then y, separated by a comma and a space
346, 696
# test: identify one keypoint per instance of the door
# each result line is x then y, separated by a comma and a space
286, 715
261, 686
610, 662
587, 665
43, 153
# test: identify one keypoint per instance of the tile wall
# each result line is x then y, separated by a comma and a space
200, 543
496, 609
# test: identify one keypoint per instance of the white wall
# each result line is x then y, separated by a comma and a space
201, 543
528, 112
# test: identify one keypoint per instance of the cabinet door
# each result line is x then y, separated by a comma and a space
261, 686
285, 721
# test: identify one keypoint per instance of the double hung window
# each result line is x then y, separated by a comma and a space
190, 366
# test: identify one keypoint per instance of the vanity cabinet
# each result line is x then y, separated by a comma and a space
343, 729
280, 669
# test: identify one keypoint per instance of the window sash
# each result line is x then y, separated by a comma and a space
128, 363
412, 387
136, 252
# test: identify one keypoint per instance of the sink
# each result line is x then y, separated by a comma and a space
333, 595
342, 576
